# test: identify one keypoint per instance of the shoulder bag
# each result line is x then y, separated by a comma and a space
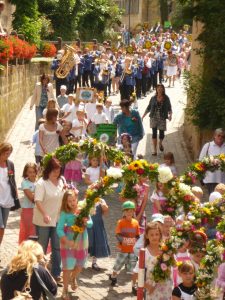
48, 295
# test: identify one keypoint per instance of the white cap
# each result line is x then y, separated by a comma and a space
214, 196
158, 218
63, 87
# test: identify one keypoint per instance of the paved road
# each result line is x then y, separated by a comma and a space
93, 285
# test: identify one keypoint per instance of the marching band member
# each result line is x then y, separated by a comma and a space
138, 77
127, 80
87, 73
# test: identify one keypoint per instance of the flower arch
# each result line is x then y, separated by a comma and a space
178, 193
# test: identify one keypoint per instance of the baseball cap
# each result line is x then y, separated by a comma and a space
128, 205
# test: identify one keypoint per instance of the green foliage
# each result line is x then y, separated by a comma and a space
89, 17
178, 18
26, 20
207, 107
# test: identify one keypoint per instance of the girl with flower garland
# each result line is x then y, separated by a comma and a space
98, 242
158, 199
142, 189
185, 290
152, 240
198, 248
73, 253
27, 204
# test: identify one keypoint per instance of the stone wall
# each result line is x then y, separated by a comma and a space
6, 16
16, 85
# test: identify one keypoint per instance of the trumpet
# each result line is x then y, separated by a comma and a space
69, 59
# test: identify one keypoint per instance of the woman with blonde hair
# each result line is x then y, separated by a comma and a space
20, 274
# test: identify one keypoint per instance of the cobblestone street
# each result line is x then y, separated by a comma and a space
92, 284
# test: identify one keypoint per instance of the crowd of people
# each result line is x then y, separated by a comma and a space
50, 204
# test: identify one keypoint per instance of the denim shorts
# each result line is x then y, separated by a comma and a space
4, 214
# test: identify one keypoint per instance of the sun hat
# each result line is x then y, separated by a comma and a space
158, 218
128, 205
214, 196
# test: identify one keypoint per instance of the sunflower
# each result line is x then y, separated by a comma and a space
76, 228
135, 165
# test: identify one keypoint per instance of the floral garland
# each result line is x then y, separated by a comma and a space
179, 195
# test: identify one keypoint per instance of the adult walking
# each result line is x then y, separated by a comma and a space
215, 147
159, 110
8, 190
172, 63
42, 93
129, 121
48, 198
25, 272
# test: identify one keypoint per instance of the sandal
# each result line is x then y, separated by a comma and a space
95, 267
74, 285
161, 148
65, 295
154, 153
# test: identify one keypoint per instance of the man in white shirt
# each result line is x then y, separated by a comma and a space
215, 147
99, 117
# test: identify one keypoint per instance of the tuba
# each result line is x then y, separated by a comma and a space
69, 59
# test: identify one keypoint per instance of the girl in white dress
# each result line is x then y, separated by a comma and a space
152, 240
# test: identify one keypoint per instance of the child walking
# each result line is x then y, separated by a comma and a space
73, 253
142, 189
169, 161
27, 203
185, 290
98, 242
158, 199
152, 240
127, 233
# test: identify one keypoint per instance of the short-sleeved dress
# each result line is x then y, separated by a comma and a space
50, 138
98, 241
76, 256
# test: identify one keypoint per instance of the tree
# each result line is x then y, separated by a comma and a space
208, 108
26, 20
87, 18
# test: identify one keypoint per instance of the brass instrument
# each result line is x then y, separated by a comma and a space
128, 68
69, 59
168, 45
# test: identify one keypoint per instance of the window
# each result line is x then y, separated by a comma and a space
134, 6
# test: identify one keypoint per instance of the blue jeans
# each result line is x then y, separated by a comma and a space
39, 114
44, 235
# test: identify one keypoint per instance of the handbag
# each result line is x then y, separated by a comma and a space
48, 295
24, 294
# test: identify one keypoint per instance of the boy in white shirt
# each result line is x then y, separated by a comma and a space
90, 109
99, 117
109, 111
79, 124
68, 109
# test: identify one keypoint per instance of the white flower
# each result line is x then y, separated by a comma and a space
166, 257
165, 174
81, 142
114, 172
81, 204
185, 189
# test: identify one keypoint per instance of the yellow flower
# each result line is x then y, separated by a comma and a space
222, 156
179, 263
95, 142
76, 228
97, 200
135, 165
105, 180
207, 210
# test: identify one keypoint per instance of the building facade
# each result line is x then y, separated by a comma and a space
139, 12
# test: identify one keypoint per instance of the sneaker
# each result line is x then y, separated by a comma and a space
113, 280
134, 290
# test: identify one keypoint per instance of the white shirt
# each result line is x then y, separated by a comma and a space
99, 118
213, 149
109, 111
78, 132
94, 173
50, 138
90, 109
6, 199
68, 108
50, 197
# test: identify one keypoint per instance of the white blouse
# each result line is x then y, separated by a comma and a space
6, 199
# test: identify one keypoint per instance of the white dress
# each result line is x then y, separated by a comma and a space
163, 290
